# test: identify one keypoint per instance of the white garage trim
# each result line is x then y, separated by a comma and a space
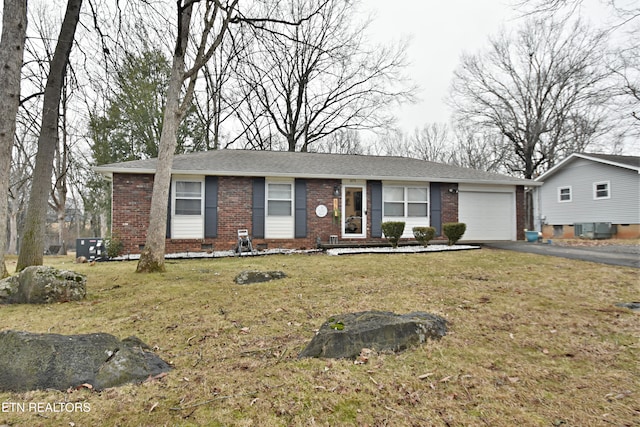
488, 211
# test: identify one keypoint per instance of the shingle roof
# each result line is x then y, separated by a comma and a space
623, 160
627, 162
313, 165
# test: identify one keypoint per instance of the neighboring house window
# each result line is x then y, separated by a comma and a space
601, 190
405, 201
564, 194
279, 199
188, 198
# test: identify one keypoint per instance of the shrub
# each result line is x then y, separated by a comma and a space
454, 231
114, 246
424, 234
392, 231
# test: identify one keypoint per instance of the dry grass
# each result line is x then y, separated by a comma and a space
533, 340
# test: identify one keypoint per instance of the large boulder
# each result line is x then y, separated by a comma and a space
39, 361
252, 276
345, 336
43, 285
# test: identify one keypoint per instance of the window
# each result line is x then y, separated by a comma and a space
188, 198
564, 194
393, 201
601, 190
279, 199
405, 201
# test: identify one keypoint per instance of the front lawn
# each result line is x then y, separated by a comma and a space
533, 340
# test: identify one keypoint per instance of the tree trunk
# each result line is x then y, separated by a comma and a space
32, 247
104, 224
152, 256
13, 232
14, 27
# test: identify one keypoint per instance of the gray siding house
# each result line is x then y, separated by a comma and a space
585, 192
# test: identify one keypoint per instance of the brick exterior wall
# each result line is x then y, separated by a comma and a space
320, 192
449, 203
132, 203
234, 211
520, 212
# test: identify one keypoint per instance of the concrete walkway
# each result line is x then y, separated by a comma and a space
622, 255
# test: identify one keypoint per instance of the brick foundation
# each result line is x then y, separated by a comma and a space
566, 231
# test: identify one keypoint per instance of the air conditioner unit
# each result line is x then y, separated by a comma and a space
603, 230
584, 230
593, 230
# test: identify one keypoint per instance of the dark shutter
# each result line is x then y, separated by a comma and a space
435, 203
258, 208
168, 232
376, 208
211, 206
301, 208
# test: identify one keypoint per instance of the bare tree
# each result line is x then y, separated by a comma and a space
218, 103
432, 143
533, 89
32, 248
627, 74
14, 27
216, 18
626, 11
623, 25
308, 81
483, 150
20, 181
345, 141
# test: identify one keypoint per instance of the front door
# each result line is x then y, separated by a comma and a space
354, 221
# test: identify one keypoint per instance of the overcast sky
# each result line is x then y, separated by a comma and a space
441, 31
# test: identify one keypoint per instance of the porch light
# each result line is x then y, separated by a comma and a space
336, 191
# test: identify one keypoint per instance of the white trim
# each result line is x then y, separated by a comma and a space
565, 187
279, 226
595, 190
187, 226
352, 183
405, 199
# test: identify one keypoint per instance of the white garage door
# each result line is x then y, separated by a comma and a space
488, 215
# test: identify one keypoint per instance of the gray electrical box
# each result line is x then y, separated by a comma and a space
92, 248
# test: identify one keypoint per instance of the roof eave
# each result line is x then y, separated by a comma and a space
110, 171
573, 156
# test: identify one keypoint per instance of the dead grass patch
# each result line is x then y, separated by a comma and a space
532, 340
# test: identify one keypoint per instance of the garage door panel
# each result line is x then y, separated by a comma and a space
489, 216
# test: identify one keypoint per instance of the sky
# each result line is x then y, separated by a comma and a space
440, 32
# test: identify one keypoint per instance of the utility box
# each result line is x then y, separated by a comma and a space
92, 248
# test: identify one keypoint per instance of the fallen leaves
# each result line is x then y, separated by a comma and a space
364, 356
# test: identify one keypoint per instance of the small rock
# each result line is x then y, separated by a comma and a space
252, 276
635, 306
31, 361
346, 335
43, 285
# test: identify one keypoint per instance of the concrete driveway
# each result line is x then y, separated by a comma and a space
622, 255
